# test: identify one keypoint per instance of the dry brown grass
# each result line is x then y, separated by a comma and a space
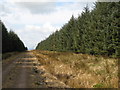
80, 70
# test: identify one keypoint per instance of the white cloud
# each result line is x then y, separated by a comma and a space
33, 26
34, 34
32, 0
61, 16
53, 0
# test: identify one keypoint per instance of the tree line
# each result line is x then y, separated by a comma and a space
95, 32
10, 40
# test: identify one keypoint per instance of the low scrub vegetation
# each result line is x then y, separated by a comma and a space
7, 55
80, 70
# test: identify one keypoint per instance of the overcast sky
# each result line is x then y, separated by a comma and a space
35, 20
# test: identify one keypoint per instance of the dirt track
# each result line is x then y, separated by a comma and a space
19, 72
42, 69
24, 71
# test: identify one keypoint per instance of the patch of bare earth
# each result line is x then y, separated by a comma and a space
77, 70
18, 72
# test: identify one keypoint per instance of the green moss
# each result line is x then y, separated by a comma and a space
99, 85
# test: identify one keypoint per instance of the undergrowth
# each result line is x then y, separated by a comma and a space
80, 70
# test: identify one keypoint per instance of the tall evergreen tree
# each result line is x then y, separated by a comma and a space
93, 32
10, 41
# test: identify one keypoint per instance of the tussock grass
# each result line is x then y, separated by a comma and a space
80, 70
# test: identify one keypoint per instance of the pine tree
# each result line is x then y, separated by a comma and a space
93, 32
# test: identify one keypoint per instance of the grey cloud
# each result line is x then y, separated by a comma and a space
38, 7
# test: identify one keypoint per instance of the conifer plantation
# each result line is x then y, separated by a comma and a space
10, 41
83, 53
94, 32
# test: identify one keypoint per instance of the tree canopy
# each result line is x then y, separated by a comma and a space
93, 32
10, 41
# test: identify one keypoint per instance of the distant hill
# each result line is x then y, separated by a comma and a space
93, 32
10, 40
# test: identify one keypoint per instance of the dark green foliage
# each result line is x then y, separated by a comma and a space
93, 32
10, 41
5, 38
26, 48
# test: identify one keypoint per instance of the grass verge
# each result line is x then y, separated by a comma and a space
80, 70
